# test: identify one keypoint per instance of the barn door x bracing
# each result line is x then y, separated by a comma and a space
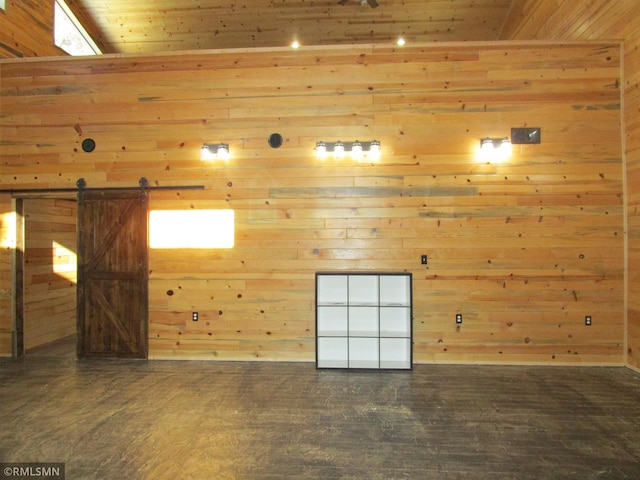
112, 274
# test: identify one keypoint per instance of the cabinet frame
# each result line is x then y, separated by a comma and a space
338, 297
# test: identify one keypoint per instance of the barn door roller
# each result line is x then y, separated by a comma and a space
144, 186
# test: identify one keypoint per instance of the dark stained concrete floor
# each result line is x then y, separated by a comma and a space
128, 419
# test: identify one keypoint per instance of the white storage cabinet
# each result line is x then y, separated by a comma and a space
363, 320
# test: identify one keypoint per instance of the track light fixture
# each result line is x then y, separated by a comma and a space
215, 151
359, 151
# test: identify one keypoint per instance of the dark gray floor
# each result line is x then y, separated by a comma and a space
218, 420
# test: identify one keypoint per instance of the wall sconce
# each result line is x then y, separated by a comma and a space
495, 148
215, 151
357, 150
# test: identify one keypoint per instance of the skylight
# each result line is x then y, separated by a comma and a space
70, 35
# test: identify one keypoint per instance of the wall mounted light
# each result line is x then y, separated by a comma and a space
321, 150
374, 150
215, 151
357, 150
495, 148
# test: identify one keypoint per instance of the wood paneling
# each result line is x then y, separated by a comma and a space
601, 19
49, 271
524, 249
122, 26
7, 251
26, 29
550, 19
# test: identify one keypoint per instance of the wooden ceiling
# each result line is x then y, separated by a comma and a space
143, 27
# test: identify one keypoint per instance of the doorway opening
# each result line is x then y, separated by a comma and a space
46, 276
81, 273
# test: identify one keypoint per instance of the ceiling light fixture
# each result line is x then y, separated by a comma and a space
295, 44
401, 41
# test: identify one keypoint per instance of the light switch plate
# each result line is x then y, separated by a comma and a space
524, 136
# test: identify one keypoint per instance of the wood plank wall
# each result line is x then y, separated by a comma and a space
7, 251
26, 29
49, 270
601, 19
524, 249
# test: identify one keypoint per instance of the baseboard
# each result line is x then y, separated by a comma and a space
226, 359
635, 369
524, 364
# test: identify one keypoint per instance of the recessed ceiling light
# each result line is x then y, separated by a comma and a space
401, 41
295, 44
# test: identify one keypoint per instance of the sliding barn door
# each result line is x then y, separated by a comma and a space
112, 274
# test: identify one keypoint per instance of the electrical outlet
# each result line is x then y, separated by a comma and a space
458, 318
423, 259
587, 320
194, 316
